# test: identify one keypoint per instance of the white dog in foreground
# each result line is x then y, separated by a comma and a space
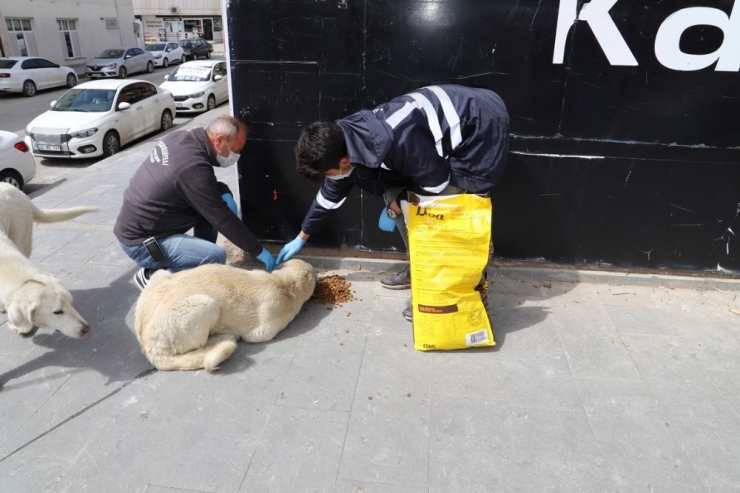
193, 319
31, 298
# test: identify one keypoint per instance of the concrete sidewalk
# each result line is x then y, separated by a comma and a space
599, 382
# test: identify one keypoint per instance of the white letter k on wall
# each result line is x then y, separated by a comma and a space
596, 14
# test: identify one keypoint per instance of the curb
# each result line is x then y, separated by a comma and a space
500, 270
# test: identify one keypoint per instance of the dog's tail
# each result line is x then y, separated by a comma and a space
217, 350
58, 215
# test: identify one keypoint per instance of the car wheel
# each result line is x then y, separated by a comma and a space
182, 59
71, 80
211, 102
29, 88
166, 120
149, 67
166, 62
208, 54
11, 178
111, 143
123, 73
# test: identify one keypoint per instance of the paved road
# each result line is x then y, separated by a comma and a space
18, 111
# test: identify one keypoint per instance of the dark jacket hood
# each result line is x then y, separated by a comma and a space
368, 138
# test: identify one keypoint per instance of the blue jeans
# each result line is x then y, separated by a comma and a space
181, 251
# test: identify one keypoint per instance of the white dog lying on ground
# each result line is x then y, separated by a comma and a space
31, 298
192, 319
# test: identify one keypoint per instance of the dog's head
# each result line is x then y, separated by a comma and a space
44, 303
300, 276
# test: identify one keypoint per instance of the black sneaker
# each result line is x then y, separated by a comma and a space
399, 280
408, 314
141, 278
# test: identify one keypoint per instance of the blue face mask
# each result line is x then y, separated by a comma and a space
341, 176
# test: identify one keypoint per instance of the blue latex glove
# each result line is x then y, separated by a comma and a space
229, 199
386, 223
266, 258
290, 249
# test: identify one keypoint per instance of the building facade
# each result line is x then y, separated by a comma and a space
71, 32
173, 20
67, 32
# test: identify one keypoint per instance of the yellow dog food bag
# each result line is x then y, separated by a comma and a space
449, 239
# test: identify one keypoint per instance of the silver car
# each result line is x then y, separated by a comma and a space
120, 62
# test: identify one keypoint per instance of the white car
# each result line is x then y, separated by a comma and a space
17, 165
97, 118
120, 62
26, 75
198, 86
166, 53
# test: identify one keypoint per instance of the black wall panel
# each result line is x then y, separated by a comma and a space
624, 153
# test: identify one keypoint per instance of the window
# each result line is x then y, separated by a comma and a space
44, 63
192, 25
149, 90
33, 63
139, 91
220, 69
20, 31
68, 37
29, 64
133, 93
127, 95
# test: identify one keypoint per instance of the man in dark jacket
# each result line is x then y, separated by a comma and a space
175, 189
438, 140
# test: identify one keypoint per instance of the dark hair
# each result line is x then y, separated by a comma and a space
320, 148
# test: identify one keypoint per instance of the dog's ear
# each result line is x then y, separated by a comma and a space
20, 316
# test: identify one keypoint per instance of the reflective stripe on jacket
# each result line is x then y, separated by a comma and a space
425, 140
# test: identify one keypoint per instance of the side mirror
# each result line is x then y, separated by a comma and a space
167, 77
217, 77
124, 106
53, 103
127, 57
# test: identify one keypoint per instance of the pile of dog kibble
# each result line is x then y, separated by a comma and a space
332, 289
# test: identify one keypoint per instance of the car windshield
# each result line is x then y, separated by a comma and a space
197, 73
155, 47
111, 54
187, 44
86, 100
7, 63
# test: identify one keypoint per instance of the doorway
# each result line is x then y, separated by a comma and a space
208, 29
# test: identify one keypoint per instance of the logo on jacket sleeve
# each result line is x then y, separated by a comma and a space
160, 154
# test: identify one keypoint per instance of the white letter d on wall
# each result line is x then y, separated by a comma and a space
668, 51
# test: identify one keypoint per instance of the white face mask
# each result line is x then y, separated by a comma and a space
341, 176
230, 160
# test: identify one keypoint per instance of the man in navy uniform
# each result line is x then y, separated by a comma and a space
438, 140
